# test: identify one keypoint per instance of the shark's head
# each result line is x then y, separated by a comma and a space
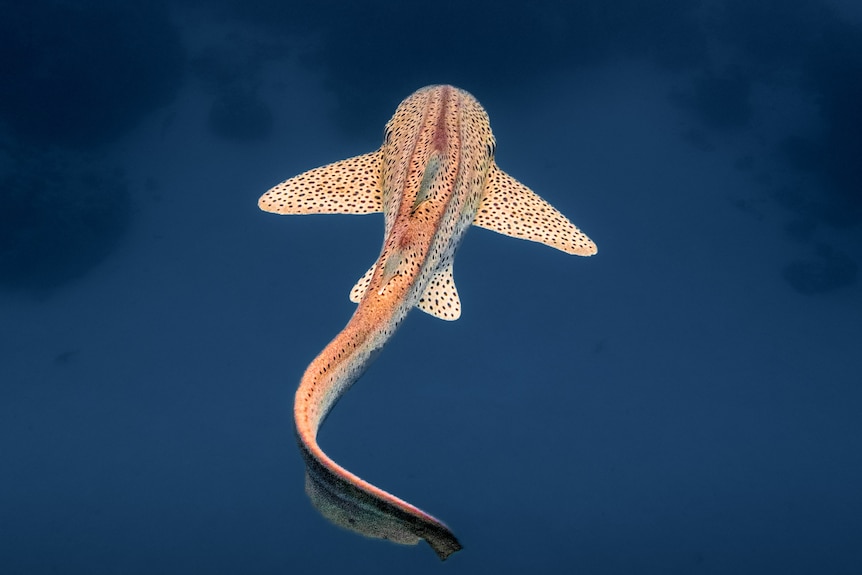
430, 107
437, 127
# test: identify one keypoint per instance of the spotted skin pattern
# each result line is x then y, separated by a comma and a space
432, 178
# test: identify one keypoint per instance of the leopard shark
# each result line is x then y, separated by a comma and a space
432, 178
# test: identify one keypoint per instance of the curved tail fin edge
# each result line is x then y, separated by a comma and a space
354, 504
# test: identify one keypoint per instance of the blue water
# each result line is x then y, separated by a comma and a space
687, 401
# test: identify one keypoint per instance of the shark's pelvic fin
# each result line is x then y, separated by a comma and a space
511, 208
351, 186
440, 298
362, 285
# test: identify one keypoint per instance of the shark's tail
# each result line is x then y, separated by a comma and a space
352, 503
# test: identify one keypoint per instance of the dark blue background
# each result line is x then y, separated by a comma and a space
686, 401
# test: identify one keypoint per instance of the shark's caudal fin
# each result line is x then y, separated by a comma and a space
511, 208
362, 508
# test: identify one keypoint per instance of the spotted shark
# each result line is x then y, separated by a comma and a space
433, 177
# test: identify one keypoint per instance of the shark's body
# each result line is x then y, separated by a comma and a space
432, 178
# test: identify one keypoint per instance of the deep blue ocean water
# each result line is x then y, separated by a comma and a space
687, 401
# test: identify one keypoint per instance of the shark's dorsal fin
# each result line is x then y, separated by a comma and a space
511, 208
440, 298
351, 186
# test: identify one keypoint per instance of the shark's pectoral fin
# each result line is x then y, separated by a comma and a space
440, 298
511, 208
362, 285
351, 186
